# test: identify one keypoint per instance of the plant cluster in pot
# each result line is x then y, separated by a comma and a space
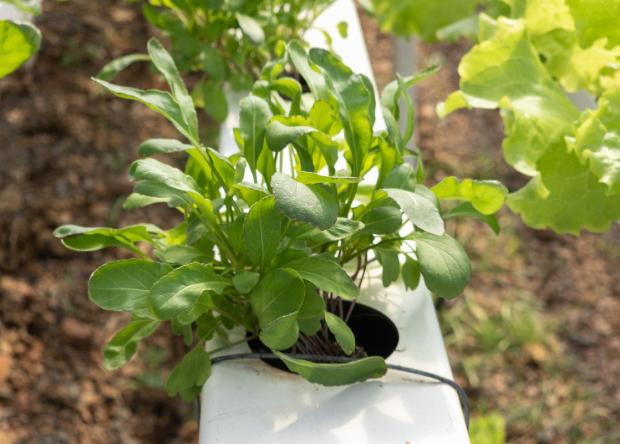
277, 239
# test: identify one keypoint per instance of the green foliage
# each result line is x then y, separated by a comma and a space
18, 42
530, 55
421, 17
271, 233
226, 43
337, 374
488, 429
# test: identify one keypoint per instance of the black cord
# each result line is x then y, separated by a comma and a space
322, 358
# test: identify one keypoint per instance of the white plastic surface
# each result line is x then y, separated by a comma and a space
10, 12
251, 402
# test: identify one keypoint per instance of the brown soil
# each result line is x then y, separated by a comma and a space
66, 148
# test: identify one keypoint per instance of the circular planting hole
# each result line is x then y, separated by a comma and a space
374, 332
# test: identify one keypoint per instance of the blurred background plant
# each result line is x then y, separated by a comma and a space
224, 43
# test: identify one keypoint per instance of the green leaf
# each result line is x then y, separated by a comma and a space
245, 281
137, 200
215, 102
152, 147
159, 101
312, 312
355, 104
313, 178
420, 210
385, 219
124, 344
341, 331
597, 140
189, 374
566, 197
80, 238
402, 176
262, 231
212, 63
596, 19
390, 264
411, 273
113, 68
165, 65
336, 374
326, 274
18, 42
390, 102
182, 254
154, 171
315, 80
251, 28
124, 285
250, 193
276, 302
443, 263
342, 229
314, 204
421, 17
279, 134
466, 209
486, 196
506, 72
254, 113
178, 291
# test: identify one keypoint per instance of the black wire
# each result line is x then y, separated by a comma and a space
322, 358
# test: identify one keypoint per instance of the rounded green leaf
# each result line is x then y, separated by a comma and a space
262, 232
382, 220
179, 290
411, 273
312, 312
124, 343
151, 147
124, 285
336, 374
251, 28
314, 204
443, 263
420, 210
189, 374
341, 331
276, 302
486, 196
324, 272
18, 42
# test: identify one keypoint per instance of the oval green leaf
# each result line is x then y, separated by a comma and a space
314, 204
336, 374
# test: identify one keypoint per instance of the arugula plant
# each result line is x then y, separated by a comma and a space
276, 235
226, 42
530, 55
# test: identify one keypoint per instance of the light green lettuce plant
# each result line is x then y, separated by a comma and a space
530, 55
